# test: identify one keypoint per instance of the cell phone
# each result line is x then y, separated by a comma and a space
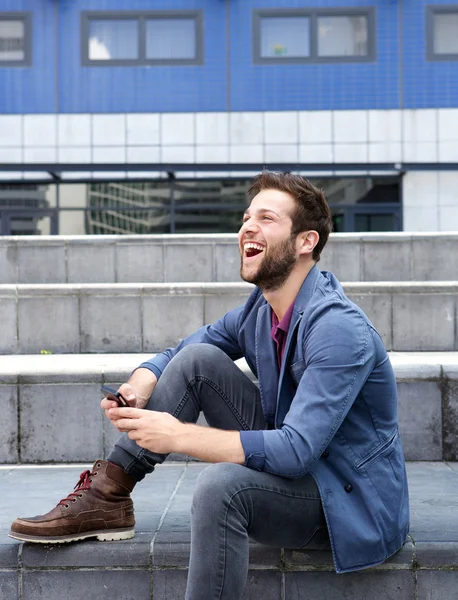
113, 394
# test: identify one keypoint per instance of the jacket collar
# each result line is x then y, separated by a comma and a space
306, 291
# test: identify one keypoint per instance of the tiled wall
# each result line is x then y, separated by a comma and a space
429, 135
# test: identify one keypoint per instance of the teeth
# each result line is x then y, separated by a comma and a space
253, 246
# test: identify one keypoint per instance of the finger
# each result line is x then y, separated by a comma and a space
107, 404
127, 424
127, 392
126, 413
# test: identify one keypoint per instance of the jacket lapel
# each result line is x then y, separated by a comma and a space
286, 388
266, 358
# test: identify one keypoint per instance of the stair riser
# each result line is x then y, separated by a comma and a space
61, 421
149, 318
99, 259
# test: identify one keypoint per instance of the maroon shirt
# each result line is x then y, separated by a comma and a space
279, 332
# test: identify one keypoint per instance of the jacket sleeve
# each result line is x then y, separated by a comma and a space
223, 334
340, 353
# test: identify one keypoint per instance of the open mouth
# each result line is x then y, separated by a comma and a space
251, 250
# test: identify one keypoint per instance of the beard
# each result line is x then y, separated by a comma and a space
275, 267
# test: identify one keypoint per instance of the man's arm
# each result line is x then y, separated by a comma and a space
161, 432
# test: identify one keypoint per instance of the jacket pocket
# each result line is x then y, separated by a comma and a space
383, 449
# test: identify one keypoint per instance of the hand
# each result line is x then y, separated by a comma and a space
155, 431
128, 393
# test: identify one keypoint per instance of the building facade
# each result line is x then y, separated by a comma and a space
193, 96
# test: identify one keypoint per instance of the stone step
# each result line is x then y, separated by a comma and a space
154, 563
131, 317
400, 256
51, 405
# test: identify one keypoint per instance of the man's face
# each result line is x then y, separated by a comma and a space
268, 252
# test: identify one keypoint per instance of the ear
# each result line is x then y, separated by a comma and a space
308, 240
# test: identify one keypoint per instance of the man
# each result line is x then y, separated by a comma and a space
310, 459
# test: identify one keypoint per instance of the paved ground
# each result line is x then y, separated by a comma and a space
163, 499
426, 569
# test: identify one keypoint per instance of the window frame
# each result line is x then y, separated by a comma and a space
431, 11
26, 18
142, 16
313, 14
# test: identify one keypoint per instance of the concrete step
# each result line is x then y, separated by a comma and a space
398, 256
130, 317
51, 405
154, 563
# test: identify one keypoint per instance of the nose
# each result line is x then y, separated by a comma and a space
248, 226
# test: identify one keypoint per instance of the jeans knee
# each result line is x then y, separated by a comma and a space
198, 356
215, 486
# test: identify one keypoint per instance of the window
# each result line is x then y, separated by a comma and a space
318, 35
142, 38
15, 39
285, 37
442, 32
343, 36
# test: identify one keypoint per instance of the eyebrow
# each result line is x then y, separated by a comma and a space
261, 210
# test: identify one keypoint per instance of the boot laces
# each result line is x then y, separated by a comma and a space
83, 484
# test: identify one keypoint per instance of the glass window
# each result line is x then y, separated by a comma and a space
142, 38
445, 33
12, 41
113, 39
287, 37
170, 39
342, 36
307, 35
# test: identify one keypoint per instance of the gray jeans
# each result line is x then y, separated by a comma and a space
231, 503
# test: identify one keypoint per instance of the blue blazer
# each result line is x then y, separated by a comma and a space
336, 413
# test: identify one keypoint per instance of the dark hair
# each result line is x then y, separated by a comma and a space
311, 212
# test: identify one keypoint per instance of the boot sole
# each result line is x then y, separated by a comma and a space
104, 535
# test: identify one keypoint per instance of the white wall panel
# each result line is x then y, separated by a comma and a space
419, 152
246, 128
11, 155
385, 152
315, 126
105, 154
40, 130
212, 154
108, 130
10, 130
212, 128
448, 124
350, 126
253, 153
143, 154
316, 153
179, 154
40, 155
419, 125
384, 125
74, 155
143, 129
351, 153
178, 129
281, 127
74, 130
281, 153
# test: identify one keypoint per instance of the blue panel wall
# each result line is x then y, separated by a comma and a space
318, 86
144, 88
31, 89
400, 77
426, 83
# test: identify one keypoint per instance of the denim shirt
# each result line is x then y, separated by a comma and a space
336, 413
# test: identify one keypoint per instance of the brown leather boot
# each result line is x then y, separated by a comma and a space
99, 507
